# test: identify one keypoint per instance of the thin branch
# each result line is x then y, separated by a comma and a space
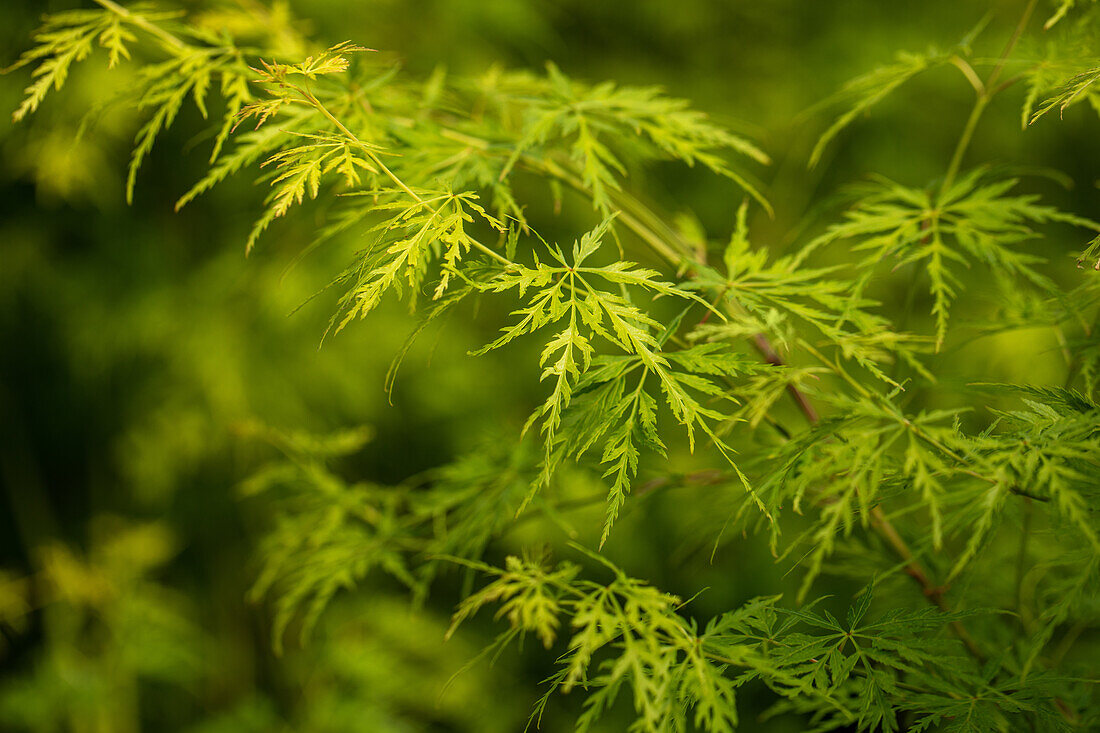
968, 71
169, 39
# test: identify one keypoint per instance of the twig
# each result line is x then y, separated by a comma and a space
167, 38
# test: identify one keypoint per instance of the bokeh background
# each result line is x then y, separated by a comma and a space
136, 343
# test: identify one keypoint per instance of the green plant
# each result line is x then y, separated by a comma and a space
786, 376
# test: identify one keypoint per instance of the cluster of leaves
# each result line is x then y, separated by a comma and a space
863, 671
425, 172
159, 89
1067, 69
590, 122
800, 307
328, 533
974, 220
572, 296
872, 451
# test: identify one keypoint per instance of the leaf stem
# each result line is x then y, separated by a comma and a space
1021, 563
968, 71
167, 38
934, 593
964, 141
985, 91
1012, 41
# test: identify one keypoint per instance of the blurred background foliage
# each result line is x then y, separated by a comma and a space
139, 348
